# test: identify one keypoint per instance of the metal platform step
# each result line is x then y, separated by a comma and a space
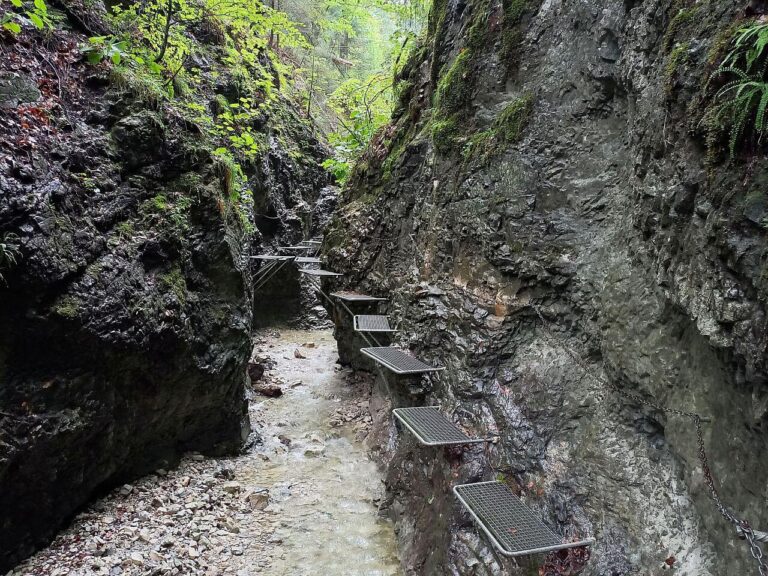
356, 297
398, 361
313, 272
431, 427
372, 323
311, 242
307, 260
272, 257
511, 526
296, 248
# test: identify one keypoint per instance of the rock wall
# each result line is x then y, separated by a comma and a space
125, 321
548, 155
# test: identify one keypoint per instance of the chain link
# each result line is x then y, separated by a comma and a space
741, 526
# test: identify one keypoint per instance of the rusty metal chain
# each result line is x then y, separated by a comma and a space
742, 527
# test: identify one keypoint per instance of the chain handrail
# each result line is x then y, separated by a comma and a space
743, 529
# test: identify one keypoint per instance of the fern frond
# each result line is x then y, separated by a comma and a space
760, 117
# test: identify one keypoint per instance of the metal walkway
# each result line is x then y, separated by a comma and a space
300, 248
315, 272
356, 297
511, 526
431, 428
372, 323
307, 260
271, 257
398, 361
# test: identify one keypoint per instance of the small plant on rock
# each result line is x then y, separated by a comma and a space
739, 105
9, 252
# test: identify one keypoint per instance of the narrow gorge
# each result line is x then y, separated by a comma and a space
556, 209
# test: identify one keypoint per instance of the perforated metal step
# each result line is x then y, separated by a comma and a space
307, 260
372, 323
431, 427
272, 257
311, 242
297, 248
356, 297
313, 272
398, 361
511, 526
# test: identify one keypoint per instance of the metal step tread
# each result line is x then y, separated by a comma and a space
398, 361
356, 297
307, 260
311, 242
431, 427
512, 527
372, 323
296, 248
272, 257
314, 272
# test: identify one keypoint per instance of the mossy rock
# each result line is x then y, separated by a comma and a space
68, 307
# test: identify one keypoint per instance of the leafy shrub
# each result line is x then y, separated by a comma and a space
36, 12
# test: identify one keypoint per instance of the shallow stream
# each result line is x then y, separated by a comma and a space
323, 482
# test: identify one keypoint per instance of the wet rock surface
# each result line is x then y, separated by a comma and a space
125, 323
602, 212
302, 501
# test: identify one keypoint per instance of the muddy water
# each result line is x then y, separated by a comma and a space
323, 486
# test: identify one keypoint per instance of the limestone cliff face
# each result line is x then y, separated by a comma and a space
547, 154
125, 323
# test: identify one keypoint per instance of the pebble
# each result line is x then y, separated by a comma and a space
195, 520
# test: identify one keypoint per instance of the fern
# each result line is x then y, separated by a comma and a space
739, 105
9, 252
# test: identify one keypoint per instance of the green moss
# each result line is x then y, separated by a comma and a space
220, 104
679, 22
125, 229
174, 281
677, 58
454, 92
145, 87
514, 118
67, 307
445, 133
512, 35
722, 41
507, 129
477, 35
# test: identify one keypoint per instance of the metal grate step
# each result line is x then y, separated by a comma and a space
431, 428
511, 526
296, 248
307, 260
313, 272
356, 297
398, 361
372, 323
311, 242
272, 257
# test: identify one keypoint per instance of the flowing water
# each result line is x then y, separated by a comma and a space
323, 485
301, 503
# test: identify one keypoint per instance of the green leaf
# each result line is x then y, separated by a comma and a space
36, 20
17, 3
116, 58
12, 27
94, 57
41, 7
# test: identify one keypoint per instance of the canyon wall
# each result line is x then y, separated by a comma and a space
544, 215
